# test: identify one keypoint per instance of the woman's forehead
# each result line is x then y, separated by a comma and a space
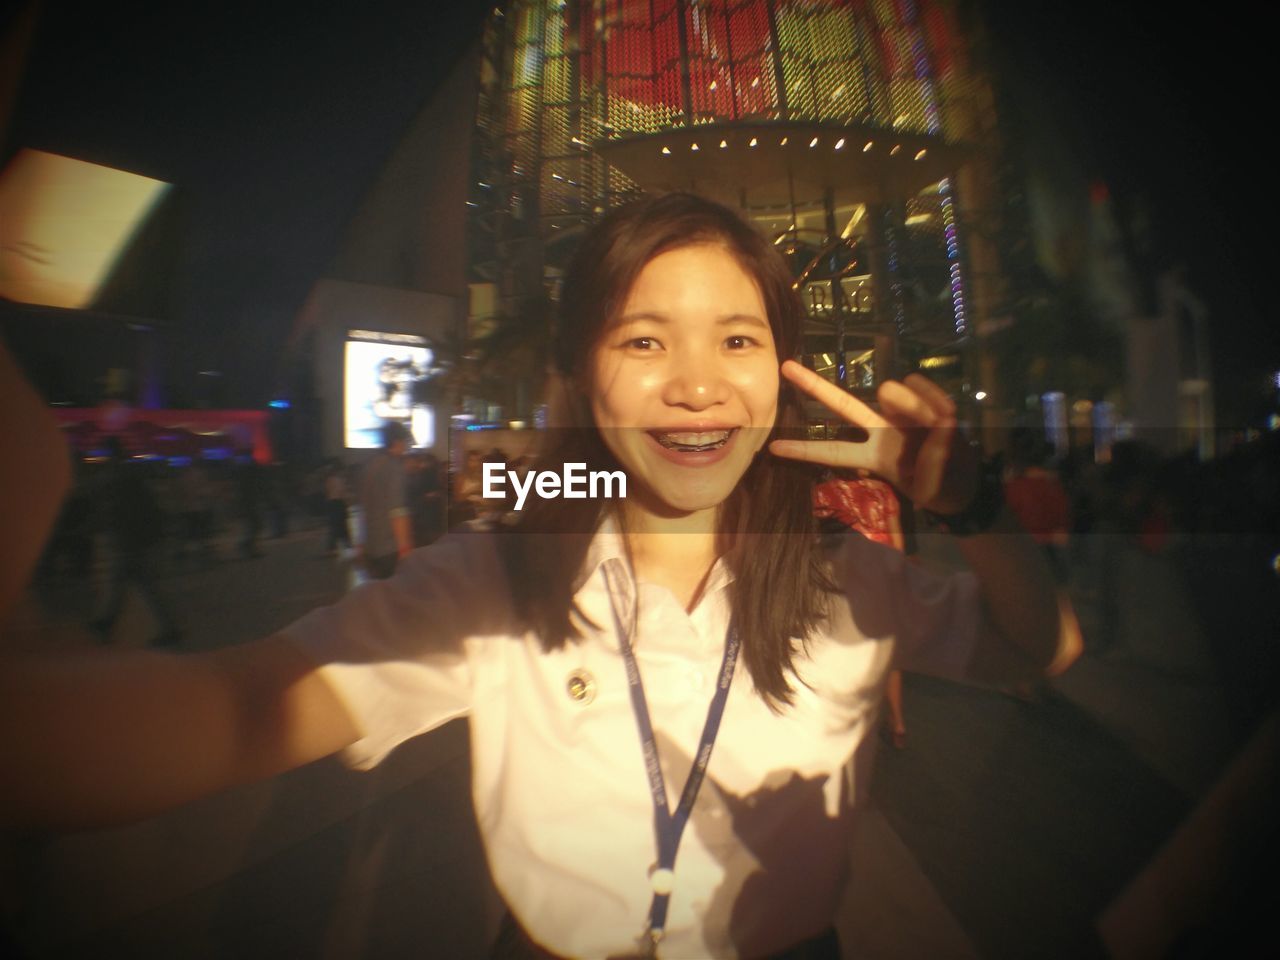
694, 274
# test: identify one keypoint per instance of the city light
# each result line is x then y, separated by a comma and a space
931, 363
811, 69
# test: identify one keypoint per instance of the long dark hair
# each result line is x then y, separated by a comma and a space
767, 531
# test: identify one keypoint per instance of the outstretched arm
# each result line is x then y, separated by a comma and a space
111, 737
914, 444
35, 478
107, 737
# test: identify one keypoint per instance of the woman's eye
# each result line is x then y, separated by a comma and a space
642, 343
739, 342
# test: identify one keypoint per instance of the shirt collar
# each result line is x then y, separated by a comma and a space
608, 546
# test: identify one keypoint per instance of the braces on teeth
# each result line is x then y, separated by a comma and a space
694, 442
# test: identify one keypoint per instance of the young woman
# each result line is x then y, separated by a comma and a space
665, 691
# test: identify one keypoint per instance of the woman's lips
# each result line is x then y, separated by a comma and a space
708, 447
687, 439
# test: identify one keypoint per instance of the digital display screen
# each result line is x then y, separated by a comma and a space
383, 376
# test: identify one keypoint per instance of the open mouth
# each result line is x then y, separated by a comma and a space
693, 441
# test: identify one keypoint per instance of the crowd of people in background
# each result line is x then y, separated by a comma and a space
136, 519
1217, 521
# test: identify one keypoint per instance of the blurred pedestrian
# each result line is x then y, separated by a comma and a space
1037, 498
196, 496
69, 549
388, 532
336, 506
278, 488
135, 526
426, 499
467, 500
250, 496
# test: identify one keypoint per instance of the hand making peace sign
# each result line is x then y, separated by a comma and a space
913, 440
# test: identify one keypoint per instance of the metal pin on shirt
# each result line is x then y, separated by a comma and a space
581, 687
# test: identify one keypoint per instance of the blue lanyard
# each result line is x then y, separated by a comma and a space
668, 827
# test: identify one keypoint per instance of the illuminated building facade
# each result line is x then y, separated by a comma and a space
844, 129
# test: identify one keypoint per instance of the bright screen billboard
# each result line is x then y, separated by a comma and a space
383, 377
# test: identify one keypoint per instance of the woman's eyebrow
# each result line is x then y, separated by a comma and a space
636, 317
749, 318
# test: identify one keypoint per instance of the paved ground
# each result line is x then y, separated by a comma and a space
1004, 829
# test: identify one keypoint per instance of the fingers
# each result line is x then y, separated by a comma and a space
828, 453
925, 419
903, 407
917, 399
933, 394
915, 402
932, 461
829, 395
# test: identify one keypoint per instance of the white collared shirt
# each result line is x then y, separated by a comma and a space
559, 782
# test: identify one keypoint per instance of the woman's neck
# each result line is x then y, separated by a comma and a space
676, 552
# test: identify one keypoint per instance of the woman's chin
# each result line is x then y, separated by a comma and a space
681, 499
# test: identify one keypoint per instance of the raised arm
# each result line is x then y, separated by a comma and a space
914, 444
110, 737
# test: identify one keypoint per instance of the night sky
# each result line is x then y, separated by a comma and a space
273, 120
1168, 111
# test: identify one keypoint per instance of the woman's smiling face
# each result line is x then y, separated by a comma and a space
684, 383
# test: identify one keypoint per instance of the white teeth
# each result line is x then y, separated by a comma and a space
700, 439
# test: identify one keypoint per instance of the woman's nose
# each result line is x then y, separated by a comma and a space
696, 383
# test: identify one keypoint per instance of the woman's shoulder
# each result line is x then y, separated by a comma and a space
447, 591
467, 553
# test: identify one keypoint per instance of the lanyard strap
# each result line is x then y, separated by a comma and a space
668, 827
